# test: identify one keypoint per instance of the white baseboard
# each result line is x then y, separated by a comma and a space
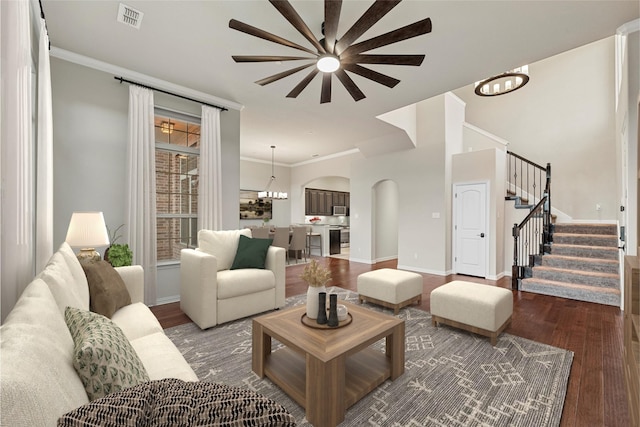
421, 270
363, 261
498, 277
389, 258
167, 300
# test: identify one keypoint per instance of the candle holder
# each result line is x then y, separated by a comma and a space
322, 308
333, 311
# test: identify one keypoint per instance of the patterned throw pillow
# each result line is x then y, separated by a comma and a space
172, 402
103, 357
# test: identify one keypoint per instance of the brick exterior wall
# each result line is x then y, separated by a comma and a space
172, 190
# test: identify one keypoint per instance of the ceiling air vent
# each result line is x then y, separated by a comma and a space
130, 16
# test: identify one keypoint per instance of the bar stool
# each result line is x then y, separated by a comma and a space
310, 245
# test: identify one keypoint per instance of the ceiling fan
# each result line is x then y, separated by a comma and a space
333, 55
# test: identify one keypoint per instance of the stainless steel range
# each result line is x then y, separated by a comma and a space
344, 237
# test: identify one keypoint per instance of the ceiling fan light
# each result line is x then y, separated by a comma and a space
328, 63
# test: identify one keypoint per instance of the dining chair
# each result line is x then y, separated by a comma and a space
260, 233
299, 242
281, 239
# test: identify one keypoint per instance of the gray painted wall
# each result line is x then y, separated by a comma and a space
90, 111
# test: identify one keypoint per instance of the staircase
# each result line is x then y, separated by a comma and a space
582, 264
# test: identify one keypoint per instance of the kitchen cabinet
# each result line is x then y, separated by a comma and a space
307, 203
321, 202
318, 202
326, 207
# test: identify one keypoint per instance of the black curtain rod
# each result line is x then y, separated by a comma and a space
122, 79
45, 20
41, 10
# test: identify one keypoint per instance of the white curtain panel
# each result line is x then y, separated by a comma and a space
44, 156
210, 180
16, 153
141, 201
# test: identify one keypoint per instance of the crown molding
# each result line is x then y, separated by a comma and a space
142, 78
629, 27
306, 162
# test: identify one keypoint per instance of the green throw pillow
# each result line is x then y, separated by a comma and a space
251, 253
102, 355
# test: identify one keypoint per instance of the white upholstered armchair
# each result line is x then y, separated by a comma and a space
211, 292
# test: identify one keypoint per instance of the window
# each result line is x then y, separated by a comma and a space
177, 155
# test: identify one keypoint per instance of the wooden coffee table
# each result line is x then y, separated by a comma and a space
327, 370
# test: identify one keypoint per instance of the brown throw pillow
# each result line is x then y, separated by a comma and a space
107, 291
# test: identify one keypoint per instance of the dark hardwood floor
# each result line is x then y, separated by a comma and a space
596, 393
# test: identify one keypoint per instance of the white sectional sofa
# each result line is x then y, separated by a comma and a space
212, 291
38, 382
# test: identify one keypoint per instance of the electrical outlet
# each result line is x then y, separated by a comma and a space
598, 207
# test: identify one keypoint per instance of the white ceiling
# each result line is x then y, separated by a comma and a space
189, 43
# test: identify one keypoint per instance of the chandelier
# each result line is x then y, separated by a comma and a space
167, 127
270, 191
503, 83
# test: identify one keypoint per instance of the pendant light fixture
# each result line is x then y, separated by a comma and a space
271, 192
503, 83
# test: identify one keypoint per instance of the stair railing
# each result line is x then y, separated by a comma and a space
530, 184
526, 180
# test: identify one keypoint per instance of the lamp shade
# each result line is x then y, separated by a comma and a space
87, 230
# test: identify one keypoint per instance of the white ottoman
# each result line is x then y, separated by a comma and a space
477, 308
390, 288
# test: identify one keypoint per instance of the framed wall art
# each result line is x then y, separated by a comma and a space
254, 207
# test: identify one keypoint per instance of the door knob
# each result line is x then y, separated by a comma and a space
481, 234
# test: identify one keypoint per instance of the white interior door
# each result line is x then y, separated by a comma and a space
470, 229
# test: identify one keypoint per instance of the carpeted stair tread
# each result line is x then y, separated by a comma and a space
580, 286
586, 239
601, 252
581, 263
592, 278
581, 292
585, 228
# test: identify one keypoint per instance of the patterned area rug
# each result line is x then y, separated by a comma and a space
451, 378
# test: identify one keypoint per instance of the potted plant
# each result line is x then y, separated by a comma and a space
316, 276
118, 255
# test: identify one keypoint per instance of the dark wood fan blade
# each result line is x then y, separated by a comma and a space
290, 14
377, 77
281, 75
257, 32
349, 84
303, 84
384, 59
325, 94
262, 58
331, 19
366, 21
404, 33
